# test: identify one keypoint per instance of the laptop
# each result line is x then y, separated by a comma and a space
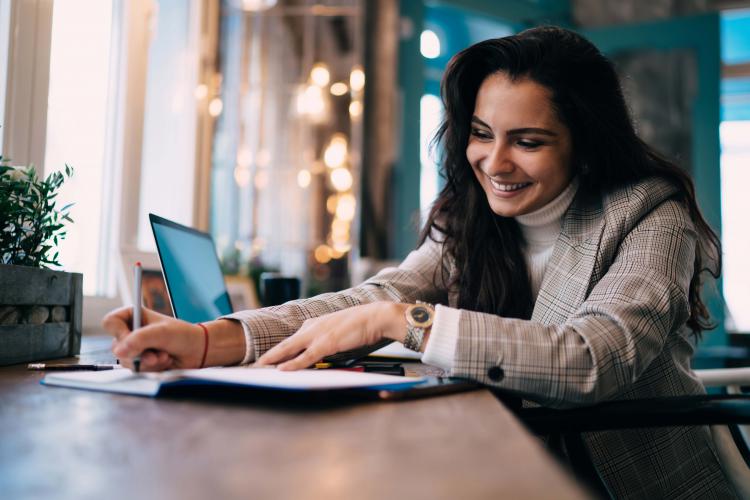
191, 269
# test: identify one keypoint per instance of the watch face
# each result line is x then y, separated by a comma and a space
421, 315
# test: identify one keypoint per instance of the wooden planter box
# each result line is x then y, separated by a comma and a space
59, 336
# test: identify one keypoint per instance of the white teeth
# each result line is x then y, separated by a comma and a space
508, 187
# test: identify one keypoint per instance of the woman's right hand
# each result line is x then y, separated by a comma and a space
163, 342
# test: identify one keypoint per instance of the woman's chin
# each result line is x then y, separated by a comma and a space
506, 207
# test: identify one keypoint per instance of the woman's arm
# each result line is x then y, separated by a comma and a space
418, 277
168, 343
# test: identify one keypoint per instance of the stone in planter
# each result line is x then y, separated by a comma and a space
58, 315
10, 315
36, 315
25, 288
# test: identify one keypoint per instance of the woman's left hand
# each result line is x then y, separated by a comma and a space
336, 332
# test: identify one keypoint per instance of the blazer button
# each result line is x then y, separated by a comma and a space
496, 374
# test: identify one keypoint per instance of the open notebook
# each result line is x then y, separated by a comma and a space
379, 386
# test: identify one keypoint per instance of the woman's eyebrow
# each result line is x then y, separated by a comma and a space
531, 130
476, 120
517, 131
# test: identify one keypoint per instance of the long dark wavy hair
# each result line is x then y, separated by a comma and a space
490, 271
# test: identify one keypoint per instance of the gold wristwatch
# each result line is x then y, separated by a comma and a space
419, 318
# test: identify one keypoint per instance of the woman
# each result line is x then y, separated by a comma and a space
564, 254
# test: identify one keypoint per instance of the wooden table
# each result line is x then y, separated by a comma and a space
61, 443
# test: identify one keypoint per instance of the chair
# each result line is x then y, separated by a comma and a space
728, 416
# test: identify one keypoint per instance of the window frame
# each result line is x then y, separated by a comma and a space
24, 130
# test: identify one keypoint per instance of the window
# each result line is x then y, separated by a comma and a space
169, 129
4, 34
105, 86
430, 114
735, 158
735, 176
76, 130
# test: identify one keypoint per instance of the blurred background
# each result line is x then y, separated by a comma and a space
298, 132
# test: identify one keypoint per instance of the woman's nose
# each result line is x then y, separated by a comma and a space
498, 162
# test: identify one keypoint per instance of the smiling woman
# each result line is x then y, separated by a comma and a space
564, 258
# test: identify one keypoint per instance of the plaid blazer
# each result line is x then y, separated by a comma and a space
608, 323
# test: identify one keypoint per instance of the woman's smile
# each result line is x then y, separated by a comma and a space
505, 189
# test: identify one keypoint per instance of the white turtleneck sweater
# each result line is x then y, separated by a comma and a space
540, 229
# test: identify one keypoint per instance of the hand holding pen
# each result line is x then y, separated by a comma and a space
162, 342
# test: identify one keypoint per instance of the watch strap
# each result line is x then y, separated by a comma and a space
414, 338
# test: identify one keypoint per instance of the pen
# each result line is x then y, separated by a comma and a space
72, 366
382, 368
137, 304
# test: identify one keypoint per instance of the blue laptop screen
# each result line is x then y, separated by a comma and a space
191, 270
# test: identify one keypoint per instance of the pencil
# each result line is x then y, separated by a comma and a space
137, 304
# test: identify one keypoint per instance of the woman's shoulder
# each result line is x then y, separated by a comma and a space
635, 200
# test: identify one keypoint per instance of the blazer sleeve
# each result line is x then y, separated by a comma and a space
418, 277
611, 338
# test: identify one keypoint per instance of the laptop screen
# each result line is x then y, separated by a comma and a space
191, 270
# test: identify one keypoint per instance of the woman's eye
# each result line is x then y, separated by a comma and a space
529, 144
481, 134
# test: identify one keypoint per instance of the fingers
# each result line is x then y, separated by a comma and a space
284, 350
149, 337
117, 323
307, 358
155, 361
182, 345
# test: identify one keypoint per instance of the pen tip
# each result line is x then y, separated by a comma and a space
138, 264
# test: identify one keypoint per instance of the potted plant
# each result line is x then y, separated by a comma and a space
40, 308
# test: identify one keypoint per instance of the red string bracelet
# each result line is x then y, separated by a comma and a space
205, 347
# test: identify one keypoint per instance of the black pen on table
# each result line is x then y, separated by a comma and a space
137, 306
68, 367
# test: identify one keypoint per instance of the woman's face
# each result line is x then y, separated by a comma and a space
518, 148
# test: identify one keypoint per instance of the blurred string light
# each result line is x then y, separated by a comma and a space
346, 207
310, 103
255, 5
336, 152
339, 249
339, 88
339, 231
201, 91
320, 75
215, 107
357, 79
429, 44
332, 203
244, 157
304, 178
341, 179
355, 109
323, 254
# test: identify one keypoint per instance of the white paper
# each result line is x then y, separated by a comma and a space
148, 384
301, 379
397, 350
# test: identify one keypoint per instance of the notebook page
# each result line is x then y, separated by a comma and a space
301, 379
